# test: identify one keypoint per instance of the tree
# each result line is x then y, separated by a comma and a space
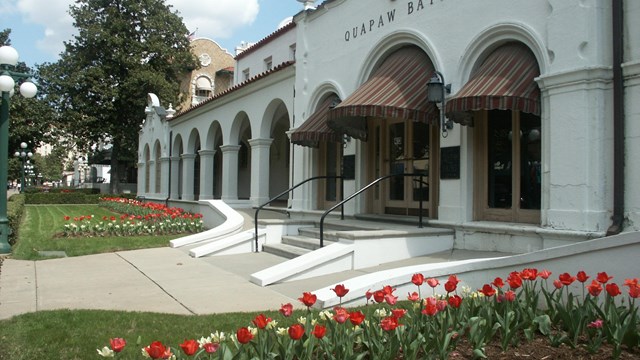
124, 50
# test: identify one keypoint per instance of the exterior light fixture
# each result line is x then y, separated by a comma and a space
436, 94
24, 154
8, 78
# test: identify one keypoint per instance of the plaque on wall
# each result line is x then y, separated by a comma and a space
450, 162
349, 167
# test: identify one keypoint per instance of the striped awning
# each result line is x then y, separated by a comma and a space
504, 81
315, 128
397, 89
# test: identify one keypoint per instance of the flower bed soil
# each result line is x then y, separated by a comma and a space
539, 349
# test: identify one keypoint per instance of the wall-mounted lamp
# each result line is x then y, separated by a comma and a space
436, 94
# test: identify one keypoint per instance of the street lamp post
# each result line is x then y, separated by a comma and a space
23, 154
8, 76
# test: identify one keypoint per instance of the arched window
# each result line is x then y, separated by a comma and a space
203, 89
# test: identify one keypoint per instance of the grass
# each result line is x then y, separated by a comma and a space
42, 223
67, 334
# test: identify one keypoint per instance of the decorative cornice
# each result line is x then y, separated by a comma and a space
274, 35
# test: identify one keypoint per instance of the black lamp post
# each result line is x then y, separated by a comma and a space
8, 77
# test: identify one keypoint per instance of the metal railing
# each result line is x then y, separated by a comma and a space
374, 182
291, 189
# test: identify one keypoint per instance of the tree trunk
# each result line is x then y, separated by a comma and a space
114, 185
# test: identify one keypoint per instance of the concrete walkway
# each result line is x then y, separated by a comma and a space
164, 280
161, 280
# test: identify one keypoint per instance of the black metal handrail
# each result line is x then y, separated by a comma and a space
291, 189
374, 182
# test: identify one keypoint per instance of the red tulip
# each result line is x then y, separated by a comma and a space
368, 294
117, 344
389, 323
595, 288
603, 277
286, 310
378, 296
566, 279
340, 290
433, 282
356, 317
455, 301
613, 290
417, 279
319, 331
398, 313
296, 331
413, 296
390, 299
157, 351
515, 280
430, 309
545, 274
510, 295
261, 321
450, 286
388, 290
189, 347
244, 335
582, 276
308, 299
596, 324
557, 284
634, 292
340, 315
487, 290
210, 348
497, 282
529, 274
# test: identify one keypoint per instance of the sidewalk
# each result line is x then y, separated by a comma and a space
166, 280
162, 280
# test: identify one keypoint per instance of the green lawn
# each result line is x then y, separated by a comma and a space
42, 225
66, 334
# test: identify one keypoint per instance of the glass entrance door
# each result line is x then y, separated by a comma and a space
406, 147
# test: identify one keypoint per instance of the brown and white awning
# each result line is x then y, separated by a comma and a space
315, 128
504, 81
397, 89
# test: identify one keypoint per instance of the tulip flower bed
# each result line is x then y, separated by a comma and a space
137, 218
445, 323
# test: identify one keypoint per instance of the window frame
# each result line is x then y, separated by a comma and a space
481, 209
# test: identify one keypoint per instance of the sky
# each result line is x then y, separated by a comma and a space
39, 27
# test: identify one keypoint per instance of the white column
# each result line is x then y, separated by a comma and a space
230, 172
164, 176
206, 174
188, 162
175, 177
141, 178
152, 177
260, 170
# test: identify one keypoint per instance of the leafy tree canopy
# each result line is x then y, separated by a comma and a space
124, 50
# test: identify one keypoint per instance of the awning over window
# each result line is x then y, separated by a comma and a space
504, 81
315, 128
397, 89
202, 83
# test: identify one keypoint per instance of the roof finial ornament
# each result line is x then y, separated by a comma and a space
308, 4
